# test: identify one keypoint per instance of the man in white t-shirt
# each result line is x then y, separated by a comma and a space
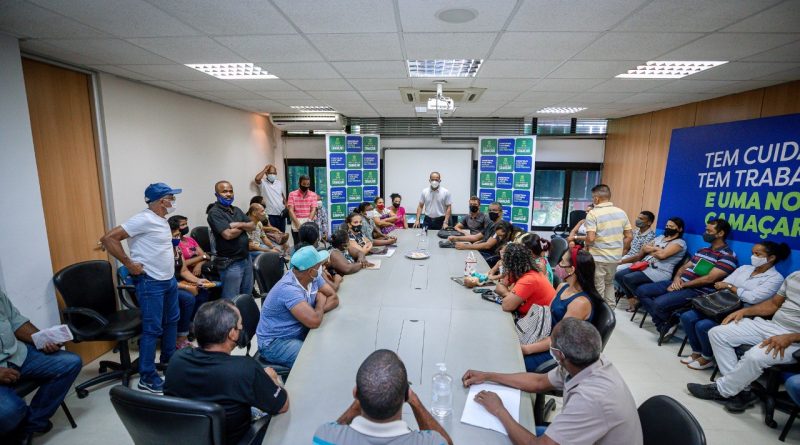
437, 204
271, 188
152, 263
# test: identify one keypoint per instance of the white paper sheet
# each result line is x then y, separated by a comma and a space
475, 414
388, 253
376, 264
56, 334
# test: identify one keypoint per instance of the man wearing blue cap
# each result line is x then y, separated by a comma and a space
152, 263
230, 226
296, 303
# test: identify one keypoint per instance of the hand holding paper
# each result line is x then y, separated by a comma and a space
475, 414
53, 335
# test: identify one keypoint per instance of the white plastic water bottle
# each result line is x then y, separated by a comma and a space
442, 392
470, 263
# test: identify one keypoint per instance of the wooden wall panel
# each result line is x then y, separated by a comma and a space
734, 107
625, 156
59, 103
781, 99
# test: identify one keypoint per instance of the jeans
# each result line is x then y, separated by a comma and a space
277, 222
660, 303
56, 371
533, 361
696, 327
433, 223
630, 280
188, 305
281, 351
792, 386
158, 300
237, 278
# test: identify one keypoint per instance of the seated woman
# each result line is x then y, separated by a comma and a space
359, 245
577, 236
398, 212
752, 283
382, 217
194, 257
575, 297
191, 291
527, 285
340, 261
498, 272
368, 228
259, 242
537, 247
308, 235
504, 232
662, 255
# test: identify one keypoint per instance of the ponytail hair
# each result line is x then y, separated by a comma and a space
781, 251
535, 243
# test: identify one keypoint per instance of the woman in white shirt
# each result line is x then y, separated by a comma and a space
752, 283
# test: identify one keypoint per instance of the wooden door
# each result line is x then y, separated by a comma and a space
64, 139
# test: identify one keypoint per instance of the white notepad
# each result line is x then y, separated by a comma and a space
376, 264
475, 414
388, 253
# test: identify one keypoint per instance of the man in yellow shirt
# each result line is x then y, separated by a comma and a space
608, 237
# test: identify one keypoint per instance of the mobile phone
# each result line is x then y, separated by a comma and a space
491, 296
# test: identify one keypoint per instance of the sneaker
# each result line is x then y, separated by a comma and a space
705, 392
690, 358
155, 387
741, 402
669, 332
698, 365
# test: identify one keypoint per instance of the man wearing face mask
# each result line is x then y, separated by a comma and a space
495, 215
230, 228
436, 202
151, 262
476, 221
271, 189
598, 406
302, 205
296, 304
238, 381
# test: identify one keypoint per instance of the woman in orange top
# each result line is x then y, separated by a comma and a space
527, 285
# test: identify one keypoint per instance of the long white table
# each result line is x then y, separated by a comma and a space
413, 308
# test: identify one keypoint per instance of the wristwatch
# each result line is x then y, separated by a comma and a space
730, 286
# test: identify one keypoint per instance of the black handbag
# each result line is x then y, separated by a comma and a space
717, 305
444, 233
446, 244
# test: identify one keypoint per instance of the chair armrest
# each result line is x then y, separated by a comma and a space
255, 434
71, 313
545, 367
796, 355
123, 290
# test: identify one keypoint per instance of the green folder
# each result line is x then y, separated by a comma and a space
703, 267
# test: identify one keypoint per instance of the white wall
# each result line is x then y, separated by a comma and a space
154, 135
25, 267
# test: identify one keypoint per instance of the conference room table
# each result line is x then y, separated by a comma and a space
411, 307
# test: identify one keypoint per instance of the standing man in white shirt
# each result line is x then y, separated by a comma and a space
152, 263
271, 189
437, 204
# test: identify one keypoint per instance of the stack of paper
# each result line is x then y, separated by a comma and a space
56, 335
388, 253
376, 264
475, 414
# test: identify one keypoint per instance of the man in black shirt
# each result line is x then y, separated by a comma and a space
211, 374
229, 226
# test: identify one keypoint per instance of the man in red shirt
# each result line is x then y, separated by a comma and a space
302, 206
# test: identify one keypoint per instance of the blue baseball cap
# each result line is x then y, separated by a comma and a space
308, 257
158, 191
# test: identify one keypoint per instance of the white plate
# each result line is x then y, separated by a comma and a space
417, 255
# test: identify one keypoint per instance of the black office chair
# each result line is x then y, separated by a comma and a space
250, 316
157, 419
666, 422
558, 246
268, 269
574, 218
202, 235
91, 314
26, 386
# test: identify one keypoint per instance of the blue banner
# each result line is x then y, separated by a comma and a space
353, 173
337, 194
505, 147
486, 196
521, 198
370, 160
353, 144
370, 193
338, 161
523, 164
505, 180
488, 164
353, 177
746, 172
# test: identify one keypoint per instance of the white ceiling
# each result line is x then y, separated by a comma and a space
349, 54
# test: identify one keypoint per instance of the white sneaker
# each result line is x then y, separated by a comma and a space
689, 359
696, 365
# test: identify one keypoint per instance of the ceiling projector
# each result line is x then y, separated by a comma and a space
441, 104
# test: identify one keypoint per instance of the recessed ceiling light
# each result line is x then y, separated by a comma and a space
421, 108
669, 69
560, 110
444, 67
312, 108
457, 15
232, 71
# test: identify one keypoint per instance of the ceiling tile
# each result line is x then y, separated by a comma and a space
239, 17
284, 95
420, 15
165, 84
691, 15
42, 48
453, 45
189, 49
729, 46
300, 70
361, 46
452, 82
504, 84
335, 95
324, 84
207, 85
781, 18
167, 72
23, 19
379, 84
648, 98
574, 15
121, 18
574, 85
541, 97
634, 45
790, 74
517, 69
743, 70
370, 70
264, 105
583, 69
628, 85
785, 53
498, 95
541, 45
387, 95
314, 16
304, 102
690, 85
742, 85
121, 72
585, 99
263, 84
235, 94
276, 48
110, 51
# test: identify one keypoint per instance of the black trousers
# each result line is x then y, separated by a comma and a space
433, 223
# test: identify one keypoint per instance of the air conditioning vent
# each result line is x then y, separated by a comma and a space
459, 95
307, 121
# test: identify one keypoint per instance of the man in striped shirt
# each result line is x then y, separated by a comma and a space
608, 236
696, 277
302, 206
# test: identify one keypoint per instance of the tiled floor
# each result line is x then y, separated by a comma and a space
647, 368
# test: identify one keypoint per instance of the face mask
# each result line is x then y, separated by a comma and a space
272, 178
184, 231
561, 369
175, 242
396, 204
224, 201
494, 216
473, 209
640, 224
242, 341
171, 209
434, 185
561, 272
304, 188
758, 261
356, 229
319, 204
709, 238
670, 232
381, 207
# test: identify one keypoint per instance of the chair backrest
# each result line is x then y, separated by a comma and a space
88, 285
151, 418
575, 217
686, 258
202, 236
604, 320
558, 246
250, 314
124, 278
665, 421
268, 269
